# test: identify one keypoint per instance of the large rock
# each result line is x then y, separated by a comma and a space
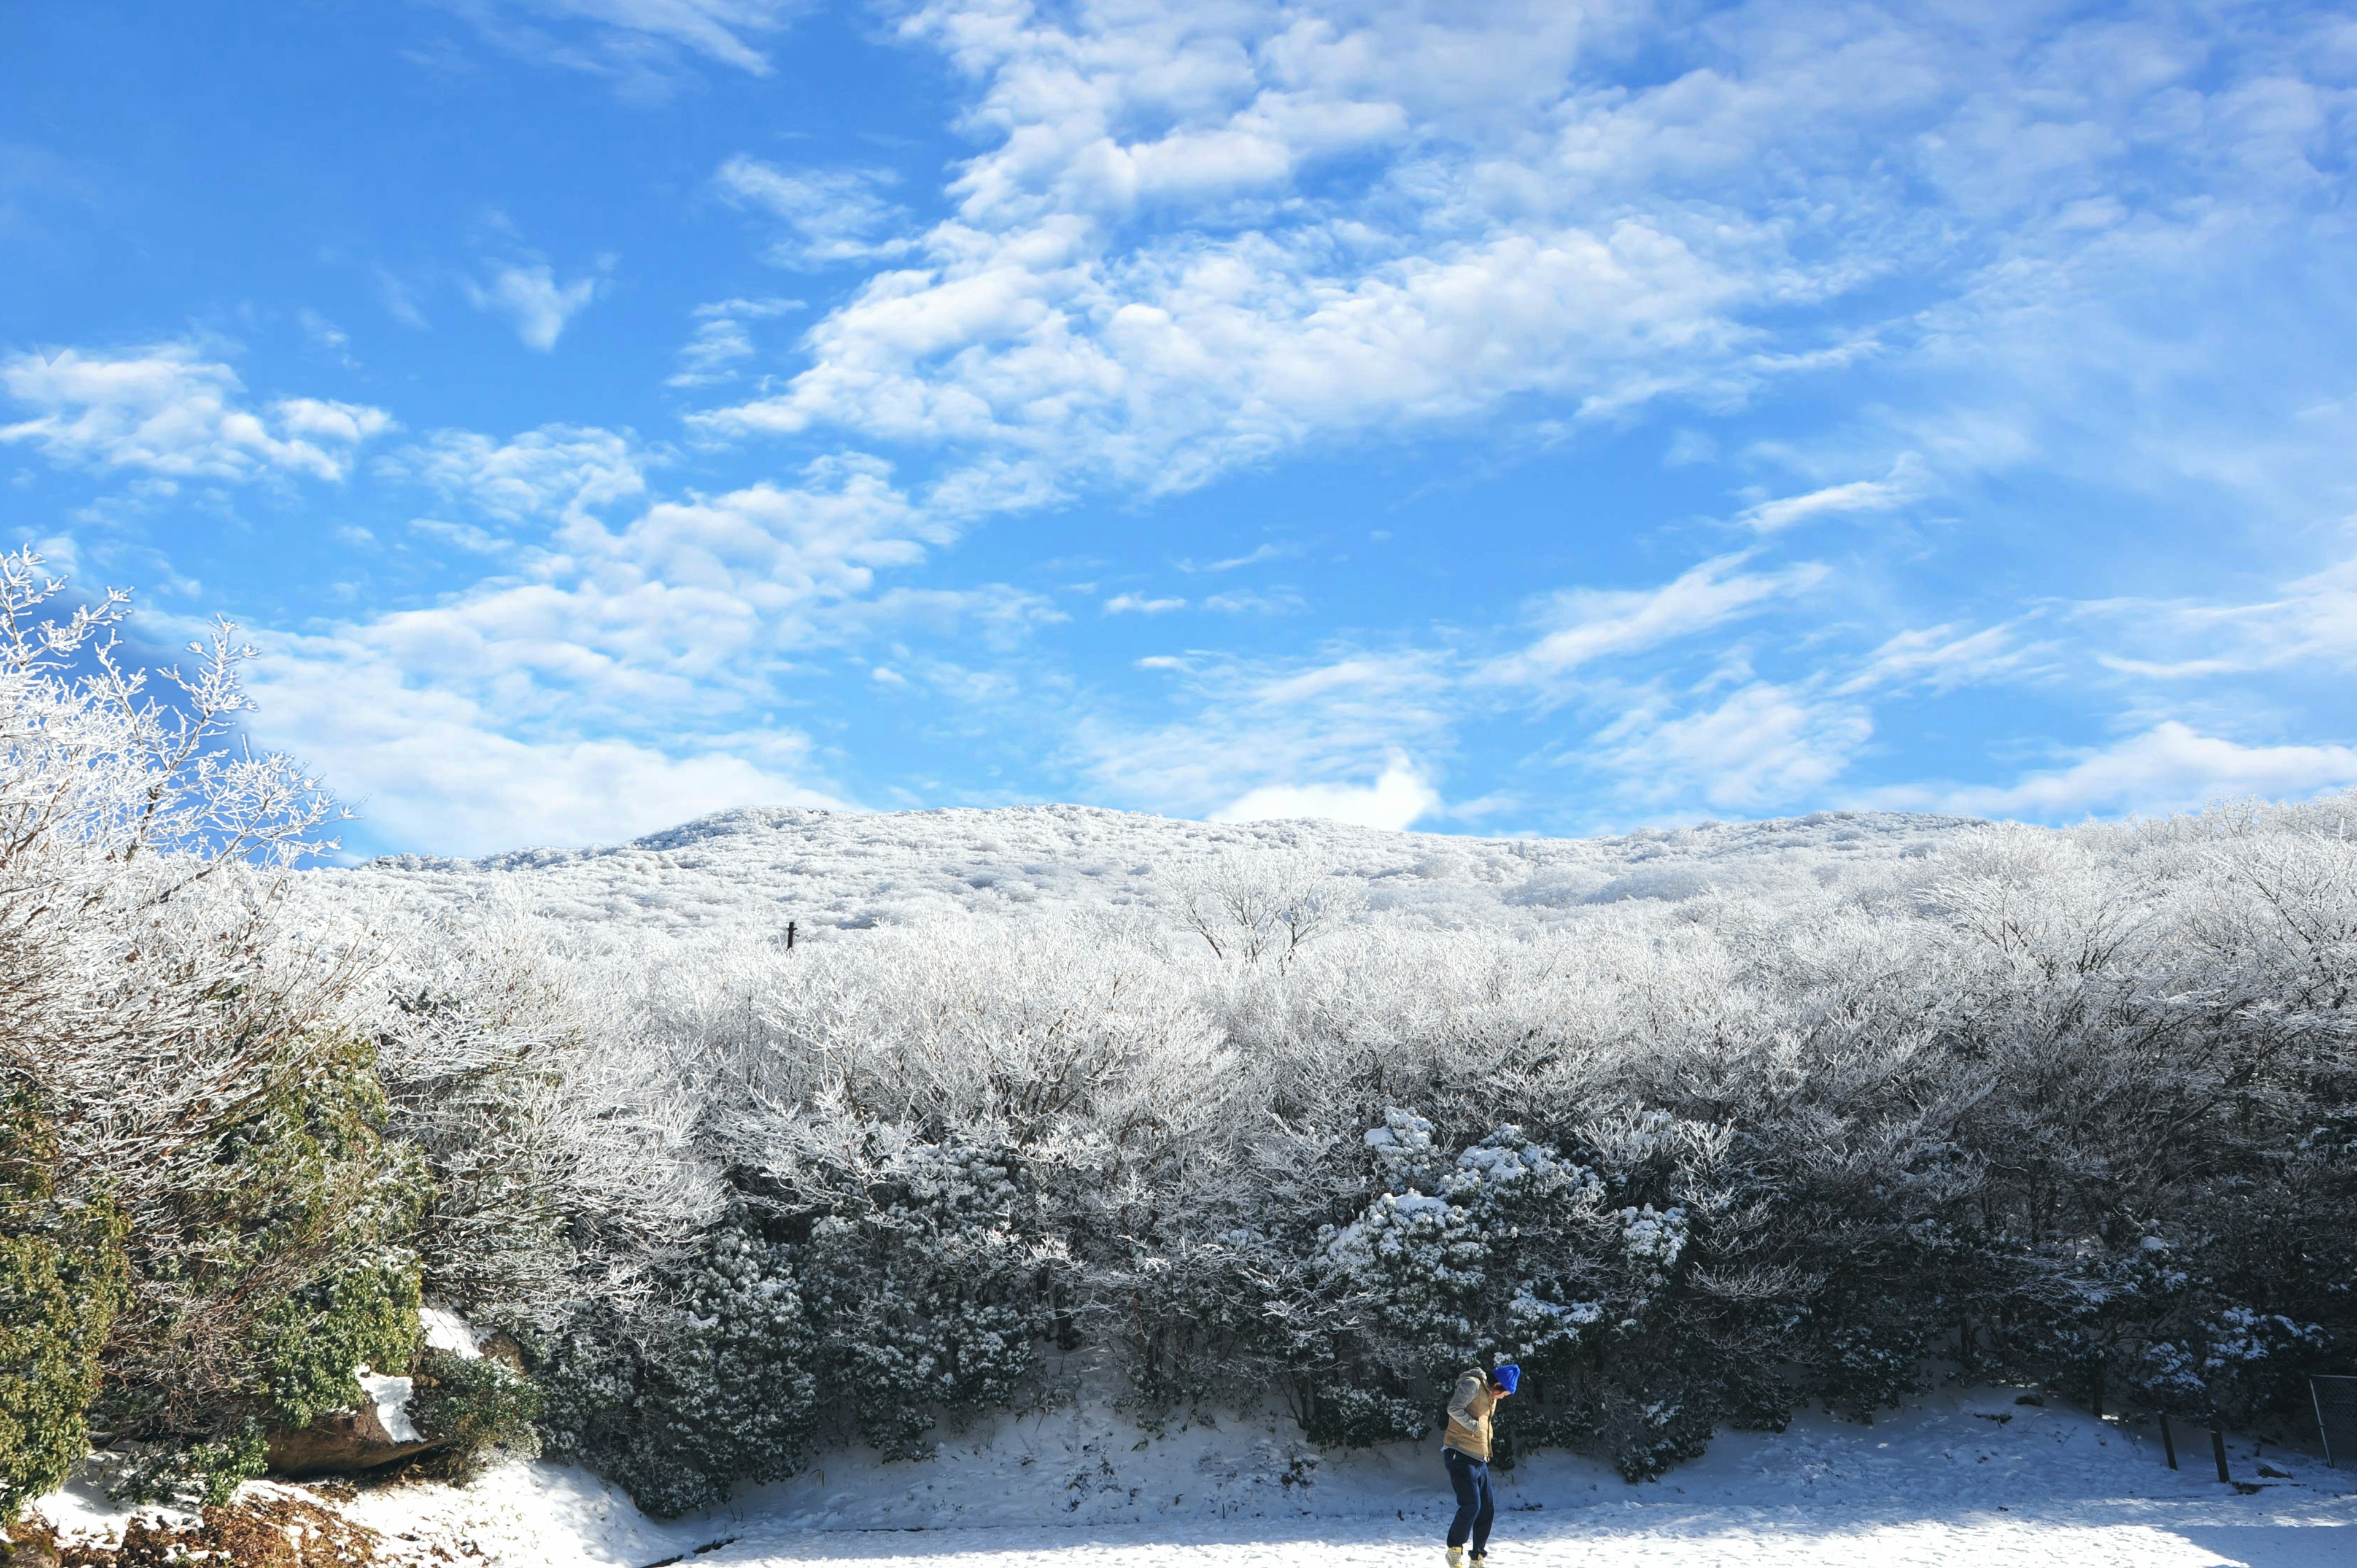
344, 1441
370, 1437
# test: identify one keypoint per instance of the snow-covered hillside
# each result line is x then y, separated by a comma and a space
754, 870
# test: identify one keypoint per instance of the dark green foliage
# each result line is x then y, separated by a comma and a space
202, 1474
1353, 1413
868, 1304
925, 1283
284, 1263
362, 1315
1867, 1366
472, 1405
728, 1391
62, 1275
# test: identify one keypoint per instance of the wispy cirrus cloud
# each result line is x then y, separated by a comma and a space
1590, 624
644, 47
2310, 621
1354, 734
1904, 483
2170, 766
1142, 603
1761, 745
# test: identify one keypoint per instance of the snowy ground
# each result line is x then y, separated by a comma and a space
1966, 1478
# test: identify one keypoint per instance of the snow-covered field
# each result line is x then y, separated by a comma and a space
1966, 1478
753, 870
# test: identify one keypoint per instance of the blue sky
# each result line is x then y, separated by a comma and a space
1488, 417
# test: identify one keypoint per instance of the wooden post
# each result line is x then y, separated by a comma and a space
2218, 1448
2167, 1444
789, 936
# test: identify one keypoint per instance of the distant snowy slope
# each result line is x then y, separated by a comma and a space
753, 870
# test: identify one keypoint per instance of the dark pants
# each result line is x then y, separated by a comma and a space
1475, 1507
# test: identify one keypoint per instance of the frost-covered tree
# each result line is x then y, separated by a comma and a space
186, 1056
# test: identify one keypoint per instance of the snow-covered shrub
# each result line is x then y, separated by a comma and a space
864, 1299
558, 1135
930, 1280
715, 1383
1521, 1253
2052, 1106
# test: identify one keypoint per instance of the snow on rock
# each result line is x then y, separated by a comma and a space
391, 1396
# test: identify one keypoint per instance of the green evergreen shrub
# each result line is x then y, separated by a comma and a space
61, 1277
726, 1392
283, 1263
472, 1405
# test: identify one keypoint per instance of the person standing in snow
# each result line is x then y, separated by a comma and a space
1465, 1449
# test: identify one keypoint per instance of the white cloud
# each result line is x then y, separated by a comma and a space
1128, 604
2169, 768
1253, 557
620, 681
530, 297
1397, 799
170, 411
638, 42
722, 339
1762, 745
1256, 733
1594, 623
833, 215
670, 619
1281, 602
2311, 620
1196, 239
433, 768
1943, 658
1244, 318
1904, 483
558, 470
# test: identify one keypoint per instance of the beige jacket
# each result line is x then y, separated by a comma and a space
1469, 1415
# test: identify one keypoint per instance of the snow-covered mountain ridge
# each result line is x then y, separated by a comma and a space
756, 868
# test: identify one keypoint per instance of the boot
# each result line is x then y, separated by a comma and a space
1456, 1557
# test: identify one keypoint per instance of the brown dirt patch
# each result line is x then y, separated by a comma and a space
264, 1532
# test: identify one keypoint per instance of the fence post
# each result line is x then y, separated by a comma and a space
2218, 1448
789, 936
2167, 1444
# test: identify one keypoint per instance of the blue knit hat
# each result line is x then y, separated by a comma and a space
1508, 1377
